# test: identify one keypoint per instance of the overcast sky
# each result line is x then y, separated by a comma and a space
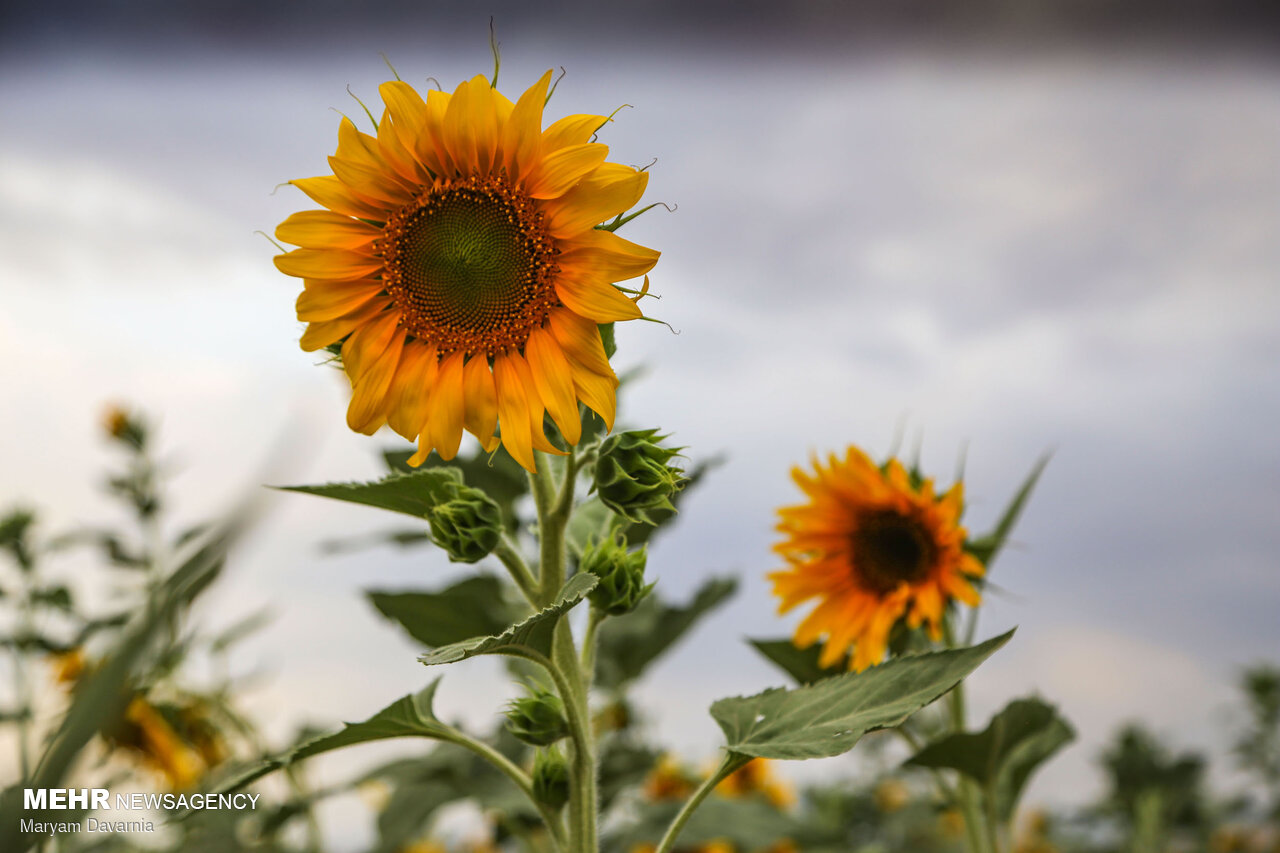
1014, 250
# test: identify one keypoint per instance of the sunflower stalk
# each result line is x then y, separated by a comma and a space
553, 498
978, 822
732, 761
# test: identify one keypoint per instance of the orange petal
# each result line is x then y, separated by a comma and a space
320, 335
367, 344
482, 402
521, 135
329, 300
608, 191
373, 182
553, 378
513, 411
366, 412
430, 146
537, 434
324, 229
579, 338
445, 407
471, 126
407, 403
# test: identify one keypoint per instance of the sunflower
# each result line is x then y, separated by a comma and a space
459, 265
874, 545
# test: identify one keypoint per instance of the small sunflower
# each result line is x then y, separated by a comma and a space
873, 546
459, 264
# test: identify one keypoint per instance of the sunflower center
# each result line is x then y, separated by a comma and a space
889, 549
470, 266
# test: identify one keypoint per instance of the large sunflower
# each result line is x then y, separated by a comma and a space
872, 547
459, 264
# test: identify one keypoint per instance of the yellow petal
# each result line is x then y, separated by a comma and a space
328, 264
332, 193
324, 229
407, 403
372, 182
553, 378
482, 402
608, 191
571, 130
559, 171
399, 156
366, 412
606, 255
445, 407
579, 338
513, 411
471, 126
329, 300
430, 145
320, 335
594, 300
367, 344
536, 408
521, 135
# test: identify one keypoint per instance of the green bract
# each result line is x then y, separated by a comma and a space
537, 718
551, 778
632, 475
621, 575
467, 526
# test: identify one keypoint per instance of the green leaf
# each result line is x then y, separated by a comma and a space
475, 607
986, 547
800, 664
628, 644
412, 494
240, 629
496, 474
828, 718
1002, 757
532, 636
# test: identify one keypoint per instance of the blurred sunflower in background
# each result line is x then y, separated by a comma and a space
459, 264
873, 544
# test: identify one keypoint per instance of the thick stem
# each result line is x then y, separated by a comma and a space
730, 763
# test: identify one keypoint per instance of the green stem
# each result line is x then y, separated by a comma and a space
509, 555
731, 762
554, 503
589, 643
945, 791
516, 775
975, 822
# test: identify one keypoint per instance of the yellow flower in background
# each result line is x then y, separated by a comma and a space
458, 262
159, 746
668, 781
872, 548
757, 777
68, 666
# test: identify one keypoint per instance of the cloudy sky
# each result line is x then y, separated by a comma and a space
1007, 247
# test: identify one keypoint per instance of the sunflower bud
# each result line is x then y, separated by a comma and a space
632, 475
551, 778
621, 576
538, 718
121, 426
466, 523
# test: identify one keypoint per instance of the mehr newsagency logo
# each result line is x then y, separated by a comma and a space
101, 799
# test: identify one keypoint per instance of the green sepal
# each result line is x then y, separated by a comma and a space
496, 474
537, 718
532, 637
550, 778
633, 476
1002, 757
829, 717
621, 574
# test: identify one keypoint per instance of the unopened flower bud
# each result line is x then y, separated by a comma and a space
551, 778
633, 477
621, 576
537, 718
467, 525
